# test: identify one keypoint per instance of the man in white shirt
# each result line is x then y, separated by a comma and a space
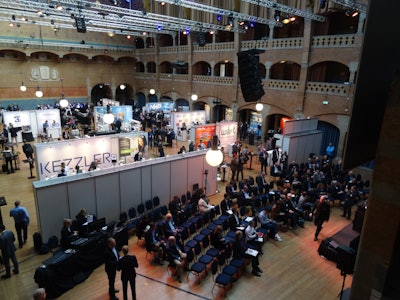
252, 237
269, 224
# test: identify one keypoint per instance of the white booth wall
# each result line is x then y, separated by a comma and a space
300, 139
108, 192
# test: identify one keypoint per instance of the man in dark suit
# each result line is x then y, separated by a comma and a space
226, 204
7, 247
111, 258
263, 186
127, 265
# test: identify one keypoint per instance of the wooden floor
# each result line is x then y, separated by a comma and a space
292, 268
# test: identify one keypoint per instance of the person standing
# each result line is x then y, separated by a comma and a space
21, 219
330, 151
8, 251
13, 132
321, 211
127, 265
28, 150
111, 258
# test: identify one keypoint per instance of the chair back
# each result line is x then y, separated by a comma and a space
132, 213
156, 201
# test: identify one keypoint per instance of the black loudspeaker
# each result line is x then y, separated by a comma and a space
201, 39
346, 259
250, 75
80, 24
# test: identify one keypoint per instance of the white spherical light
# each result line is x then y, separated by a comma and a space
64, 103
259, 106
194, 97
39, 93
22, 87
214, 157
108, 118
152, 91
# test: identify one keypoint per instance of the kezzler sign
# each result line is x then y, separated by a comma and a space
51, 167
80, 152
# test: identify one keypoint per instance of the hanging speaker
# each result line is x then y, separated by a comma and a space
80, 24
250, 75
201, 39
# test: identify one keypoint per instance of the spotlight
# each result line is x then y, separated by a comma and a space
259, 106
286, 20
251, 24
219, 18
277, 15
152, 91
230, 19
212, 31
159, 27
352, 13
241, 23
59, 6
122, 86
128, 37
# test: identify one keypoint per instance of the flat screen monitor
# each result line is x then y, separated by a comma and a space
96, 225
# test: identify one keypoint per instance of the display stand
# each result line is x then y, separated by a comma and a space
31, 162
251, 160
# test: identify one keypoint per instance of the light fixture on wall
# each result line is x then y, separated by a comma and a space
108, 117
38, 92
214, 156
259, 106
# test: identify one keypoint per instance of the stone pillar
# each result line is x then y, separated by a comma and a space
361, 20
271, 31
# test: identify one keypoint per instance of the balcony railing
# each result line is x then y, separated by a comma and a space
287, 85
340, 89
330, 41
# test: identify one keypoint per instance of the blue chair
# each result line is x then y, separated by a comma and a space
213, 252
206, 231
197, 269
206, 259
221, 280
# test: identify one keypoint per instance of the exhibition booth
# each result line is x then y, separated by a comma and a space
107, 192
182, 122
109, 150
31, 123
121, 113
225, 130
300, 138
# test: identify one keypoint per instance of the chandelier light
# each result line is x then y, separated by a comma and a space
108, 117
22, 87
259, 106
194, 97
39, 93
214, 156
